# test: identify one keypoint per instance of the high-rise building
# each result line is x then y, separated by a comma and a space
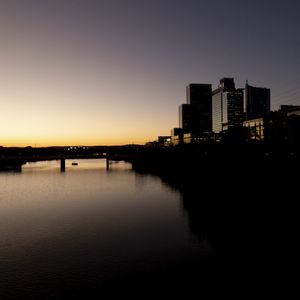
257, 101
199, 94
196, 115
227, 106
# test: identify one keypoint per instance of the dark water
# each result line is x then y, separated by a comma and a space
89, 232
248, 211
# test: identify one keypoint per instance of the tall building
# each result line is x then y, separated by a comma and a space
196, 115
227, 106
199, 94
257, 101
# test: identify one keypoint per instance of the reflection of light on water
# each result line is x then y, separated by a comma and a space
72, 165
89, 220
41, 166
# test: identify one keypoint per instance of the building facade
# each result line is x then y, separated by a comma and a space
177, 136
257, 101
256, 128
196, 115
227, 106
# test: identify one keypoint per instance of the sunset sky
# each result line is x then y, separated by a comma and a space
97, 72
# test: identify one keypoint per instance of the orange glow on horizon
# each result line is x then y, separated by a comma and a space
48, 142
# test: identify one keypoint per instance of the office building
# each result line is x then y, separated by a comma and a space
257, 101
196, 115
177, 136
227, 106
256, 128
199, 94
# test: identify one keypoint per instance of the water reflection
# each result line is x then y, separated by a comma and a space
91, 231
248, 218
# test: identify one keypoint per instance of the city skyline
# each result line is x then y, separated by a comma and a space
96, 73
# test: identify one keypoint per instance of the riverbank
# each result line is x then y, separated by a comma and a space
244, 203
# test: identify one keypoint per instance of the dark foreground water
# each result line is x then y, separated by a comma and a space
89, 232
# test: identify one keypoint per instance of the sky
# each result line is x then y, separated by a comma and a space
107, 72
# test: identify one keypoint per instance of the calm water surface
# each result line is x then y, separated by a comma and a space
90, 230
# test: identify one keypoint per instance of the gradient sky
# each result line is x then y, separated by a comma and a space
101, 72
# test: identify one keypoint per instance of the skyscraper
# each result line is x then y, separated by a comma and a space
227, 106
199, 94
257, 101
196, 115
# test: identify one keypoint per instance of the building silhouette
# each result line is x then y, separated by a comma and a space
225, 114
177, 136
227, 106
282, 128
195, 117
257, 101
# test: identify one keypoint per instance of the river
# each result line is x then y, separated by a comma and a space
89, 231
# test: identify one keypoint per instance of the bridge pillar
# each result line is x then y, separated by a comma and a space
107, 163
62, 165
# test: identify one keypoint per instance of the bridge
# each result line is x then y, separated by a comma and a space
14, 163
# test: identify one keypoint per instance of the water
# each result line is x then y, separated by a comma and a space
88, 231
